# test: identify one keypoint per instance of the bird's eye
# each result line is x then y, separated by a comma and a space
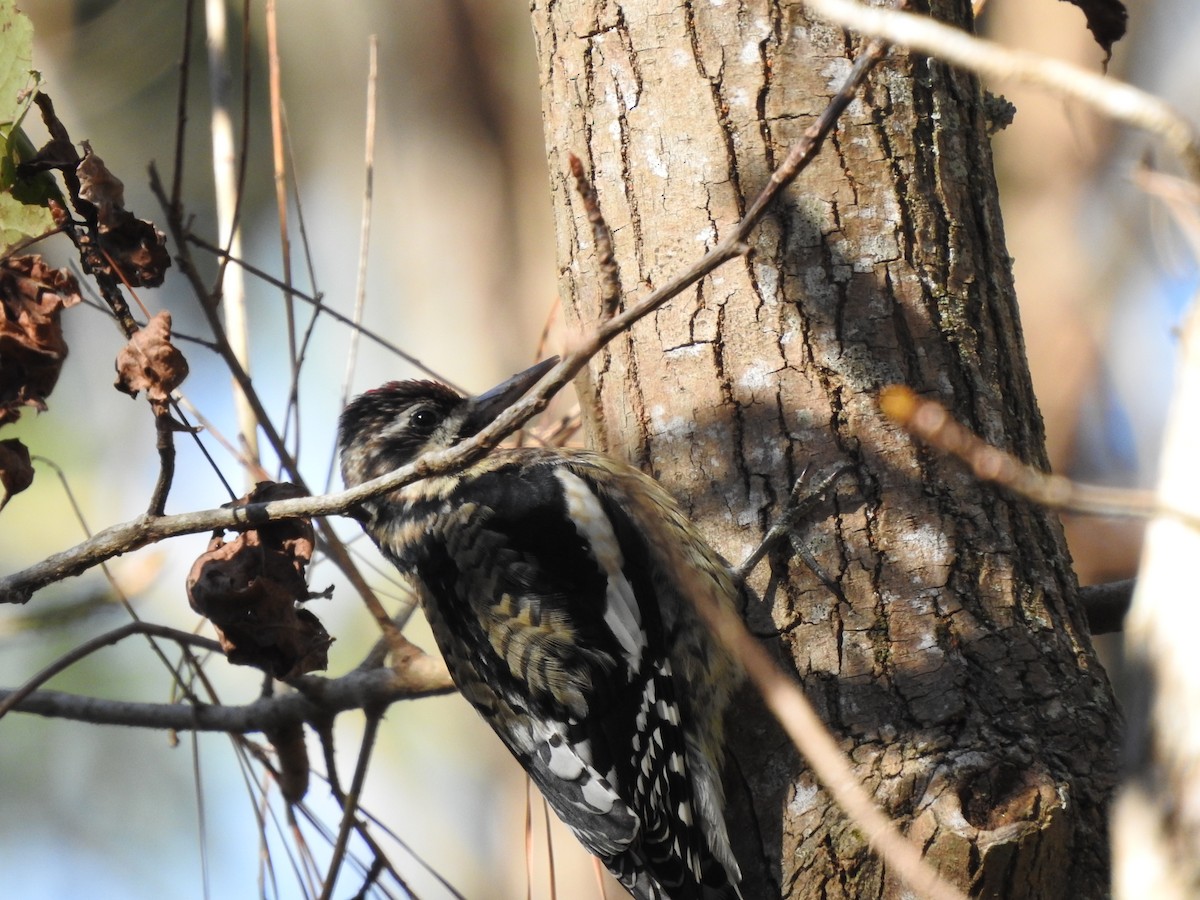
423, 419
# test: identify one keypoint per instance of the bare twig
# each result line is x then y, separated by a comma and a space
243, 461
370, 841
292, 413
929, 421
279, 163
201, 814
317, 700
164, 431
364, 234
350, 802
1113, 98
22, 245
181, 106
11, 699
1180, 197
550, 850
121, 594
606, 261
164, 426
539, 351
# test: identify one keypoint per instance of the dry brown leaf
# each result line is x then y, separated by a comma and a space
16, 470
32, 348
250, 589
135, 246
100, 187
1106, 20
151, 363
138, 249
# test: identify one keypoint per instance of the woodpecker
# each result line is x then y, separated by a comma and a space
555, 582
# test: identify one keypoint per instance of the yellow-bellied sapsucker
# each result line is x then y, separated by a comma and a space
553, 582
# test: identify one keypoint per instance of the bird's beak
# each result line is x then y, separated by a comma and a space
486, 408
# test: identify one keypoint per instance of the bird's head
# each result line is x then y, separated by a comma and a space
394, 424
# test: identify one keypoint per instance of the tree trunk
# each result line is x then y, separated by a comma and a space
952, 660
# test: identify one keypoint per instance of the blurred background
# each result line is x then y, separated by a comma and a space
461, 275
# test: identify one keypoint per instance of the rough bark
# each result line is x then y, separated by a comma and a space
952, 660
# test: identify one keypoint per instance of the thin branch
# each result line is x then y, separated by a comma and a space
13, 699
181, 106
1113, 98
1180, 197
164, 426
244, 148
364, 233
22, 245
316, 700
315, 315
528, 838
243, 461
550, 848
375, 848
164, 443
201, 815
279, 164
606, 261
932, 423
539, 351
350, 803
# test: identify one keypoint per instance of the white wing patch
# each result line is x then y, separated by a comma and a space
621, 613
571, 764
564, 763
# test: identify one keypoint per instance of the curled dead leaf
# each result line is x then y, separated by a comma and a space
135, 246
32, 348
1106, 20
151, 363
100, 187
138, 249
251, 589
16, 470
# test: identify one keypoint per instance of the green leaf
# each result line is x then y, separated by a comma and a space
16, 58
21, 220
23, 211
